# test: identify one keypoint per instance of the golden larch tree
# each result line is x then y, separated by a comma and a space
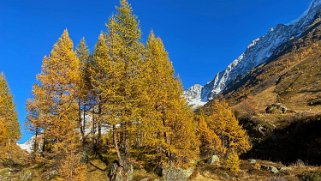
100, 77
9, 125
210, 142
234, 139
169, 126
125, 73
84, 97
56, 104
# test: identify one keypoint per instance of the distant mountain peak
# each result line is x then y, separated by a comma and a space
194, 95
258, 52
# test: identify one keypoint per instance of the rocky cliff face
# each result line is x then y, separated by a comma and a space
257, 53
194, 95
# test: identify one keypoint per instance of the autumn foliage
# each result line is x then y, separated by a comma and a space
221, 133
122, 99
53, 112
9, 125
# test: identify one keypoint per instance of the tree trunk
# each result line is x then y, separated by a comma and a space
120, 160
99, 132
81, 123
84, 126
43, 144
122, 170
35, 145
93, 133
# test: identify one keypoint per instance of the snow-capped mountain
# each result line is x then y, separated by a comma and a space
194, 96
257, 53
27, 145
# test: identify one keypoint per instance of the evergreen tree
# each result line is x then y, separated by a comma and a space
55, 103
9, 125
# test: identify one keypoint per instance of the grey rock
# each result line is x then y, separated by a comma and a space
213, 160
252, 161
276, 106
270, 168
274, 170
119, 173
284, 169
177, 174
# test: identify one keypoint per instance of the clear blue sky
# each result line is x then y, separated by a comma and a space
202, 36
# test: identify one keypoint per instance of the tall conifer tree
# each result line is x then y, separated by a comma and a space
9, 125
170, 125
233, 138
55, 101
100, 82
210, 143
126, 53
84, 97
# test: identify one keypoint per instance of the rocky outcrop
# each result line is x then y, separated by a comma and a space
269, 168
177, 174
260, 52
121, 173
276, 108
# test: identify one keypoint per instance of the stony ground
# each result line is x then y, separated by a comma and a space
251, 170
257, 170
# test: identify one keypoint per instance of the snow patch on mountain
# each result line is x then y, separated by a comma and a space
194, 96
27, 146
257, 53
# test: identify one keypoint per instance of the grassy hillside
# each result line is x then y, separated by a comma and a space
291, 77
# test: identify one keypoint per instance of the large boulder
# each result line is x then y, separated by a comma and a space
177, 174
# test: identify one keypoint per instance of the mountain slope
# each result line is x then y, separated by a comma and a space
258, 52
291, 76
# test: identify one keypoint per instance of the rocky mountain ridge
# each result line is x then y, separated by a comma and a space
257, 53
